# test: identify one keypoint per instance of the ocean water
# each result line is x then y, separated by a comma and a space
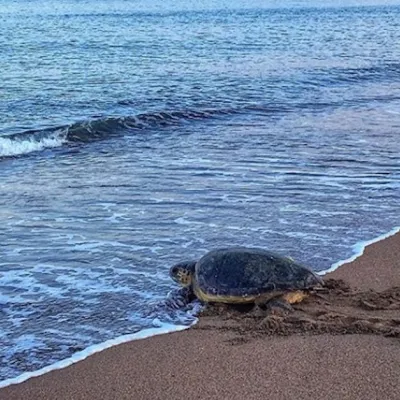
136, 134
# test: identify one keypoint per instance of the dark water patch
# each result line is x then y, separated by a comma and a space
376, 73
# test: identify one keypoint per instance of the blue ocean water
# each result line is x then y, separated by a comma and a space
136, 134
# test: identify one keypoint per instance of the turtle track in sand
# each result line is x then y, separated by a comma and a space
335, 309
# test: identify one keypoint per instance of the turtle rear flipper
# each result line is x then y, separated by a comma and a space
295, 296
281, 303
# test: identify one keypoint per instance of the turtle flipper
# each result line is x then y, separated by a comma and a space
179, 298
281, 303
279, 306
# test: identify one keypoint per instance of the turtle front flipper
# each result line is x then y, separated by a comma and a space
180, 298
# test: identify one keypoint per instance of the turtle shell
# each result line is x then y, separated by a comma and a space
248, 272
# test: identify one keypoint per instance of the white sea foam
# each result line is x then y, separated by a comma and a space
15, 147
161, 328
358, 249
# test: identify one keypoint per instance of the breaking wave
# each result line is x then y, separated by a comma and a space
13, 146
103, 128
91, 130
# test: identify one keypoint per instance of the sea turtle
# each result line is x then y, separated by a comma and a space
246, 275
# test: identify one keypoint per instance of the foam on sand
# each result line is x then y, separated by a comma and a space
358, 249
81, 355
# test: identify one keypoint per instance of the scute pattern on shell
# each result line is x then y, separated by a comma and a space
244, 272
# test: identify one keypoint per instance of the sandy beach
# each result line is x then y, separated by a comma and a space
343, 343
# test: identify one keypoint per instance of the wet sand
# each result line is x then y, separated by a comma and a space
340, 343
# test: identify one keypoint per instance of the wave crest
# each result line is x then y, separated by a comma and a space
102, 128
15, 146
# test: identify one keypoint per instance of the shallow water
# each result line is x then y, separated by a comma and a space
135, 135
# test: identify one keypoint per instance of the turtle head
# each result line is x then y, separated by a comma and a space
183, 272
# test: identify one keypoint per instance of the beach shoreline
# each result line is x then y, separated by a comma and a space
163, 366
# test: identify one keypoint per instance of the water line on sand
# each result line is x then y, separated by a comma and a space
358, 249
96, 348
